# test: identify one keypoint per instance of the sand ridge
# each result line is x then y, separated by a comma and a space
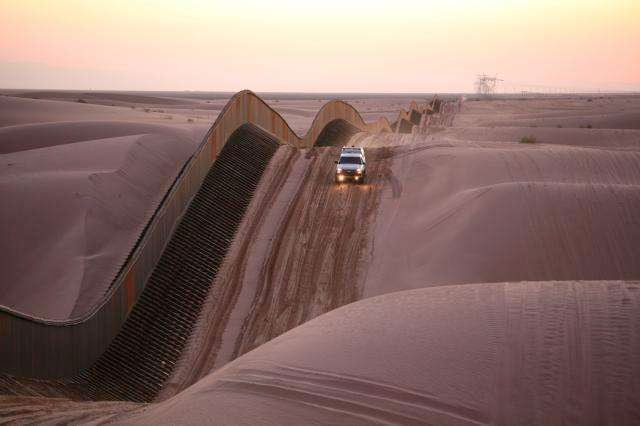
529, 352
495, 282
98, 195
44, 125
506, 213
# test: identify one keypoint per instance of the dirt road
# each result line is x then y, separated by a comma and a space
300, 252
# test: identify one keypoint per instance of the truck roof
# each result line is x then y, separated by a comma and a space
353, 149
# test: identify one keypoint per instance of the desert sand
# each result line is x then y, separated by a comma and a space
88, 169
473, 279
507, 353
436, 211
506, 212
79, 184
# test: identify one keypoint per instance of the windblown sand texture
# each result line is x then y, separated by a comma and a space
473, 279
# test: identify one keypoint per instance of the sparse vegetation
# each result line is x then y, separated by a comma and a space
559, 126
528, 139
147, 110
189, 120
81, 101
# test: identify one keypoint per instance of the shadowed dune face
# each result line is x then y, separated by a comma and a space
79, 183
538, 352
19, 111
34, 136
71, 213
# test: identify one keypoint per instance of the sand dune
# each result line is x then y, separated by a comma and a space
33, 136
505, 353
500, 279
446, 211
87, 178
541, 353
112, 164
86, 204
14, 111
493, 213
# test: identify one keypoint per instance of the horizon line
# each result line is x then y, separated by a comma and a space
275, 92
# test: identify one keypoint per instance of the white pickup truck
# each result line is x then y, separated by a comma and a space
352, 165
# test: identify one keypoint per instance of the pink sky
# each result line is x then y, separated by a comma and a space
332, 45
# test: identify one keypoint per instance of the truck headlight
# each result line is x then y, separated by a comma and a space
338, 170
359, 171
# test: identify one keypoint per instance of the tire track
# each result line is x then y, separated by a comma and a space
201, 353
319, 251
298, 254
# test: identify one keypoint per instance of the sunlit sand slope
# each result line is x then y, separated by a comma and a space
525, 353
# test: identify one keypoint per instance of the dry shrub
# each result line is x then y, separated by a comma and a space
528, 139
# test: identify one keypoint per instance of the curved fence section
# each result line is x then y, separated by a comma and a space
53, 349
149, 344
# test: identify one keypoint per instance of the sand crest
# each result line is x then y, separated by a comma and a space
538, 352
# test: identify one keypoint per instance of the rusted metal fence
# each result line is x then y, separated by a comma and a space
52, 349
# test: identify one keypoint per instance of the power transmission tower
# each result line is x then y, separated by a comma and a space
486, 85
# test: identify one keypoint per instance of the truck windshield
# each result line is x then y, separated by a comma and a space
350, 160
